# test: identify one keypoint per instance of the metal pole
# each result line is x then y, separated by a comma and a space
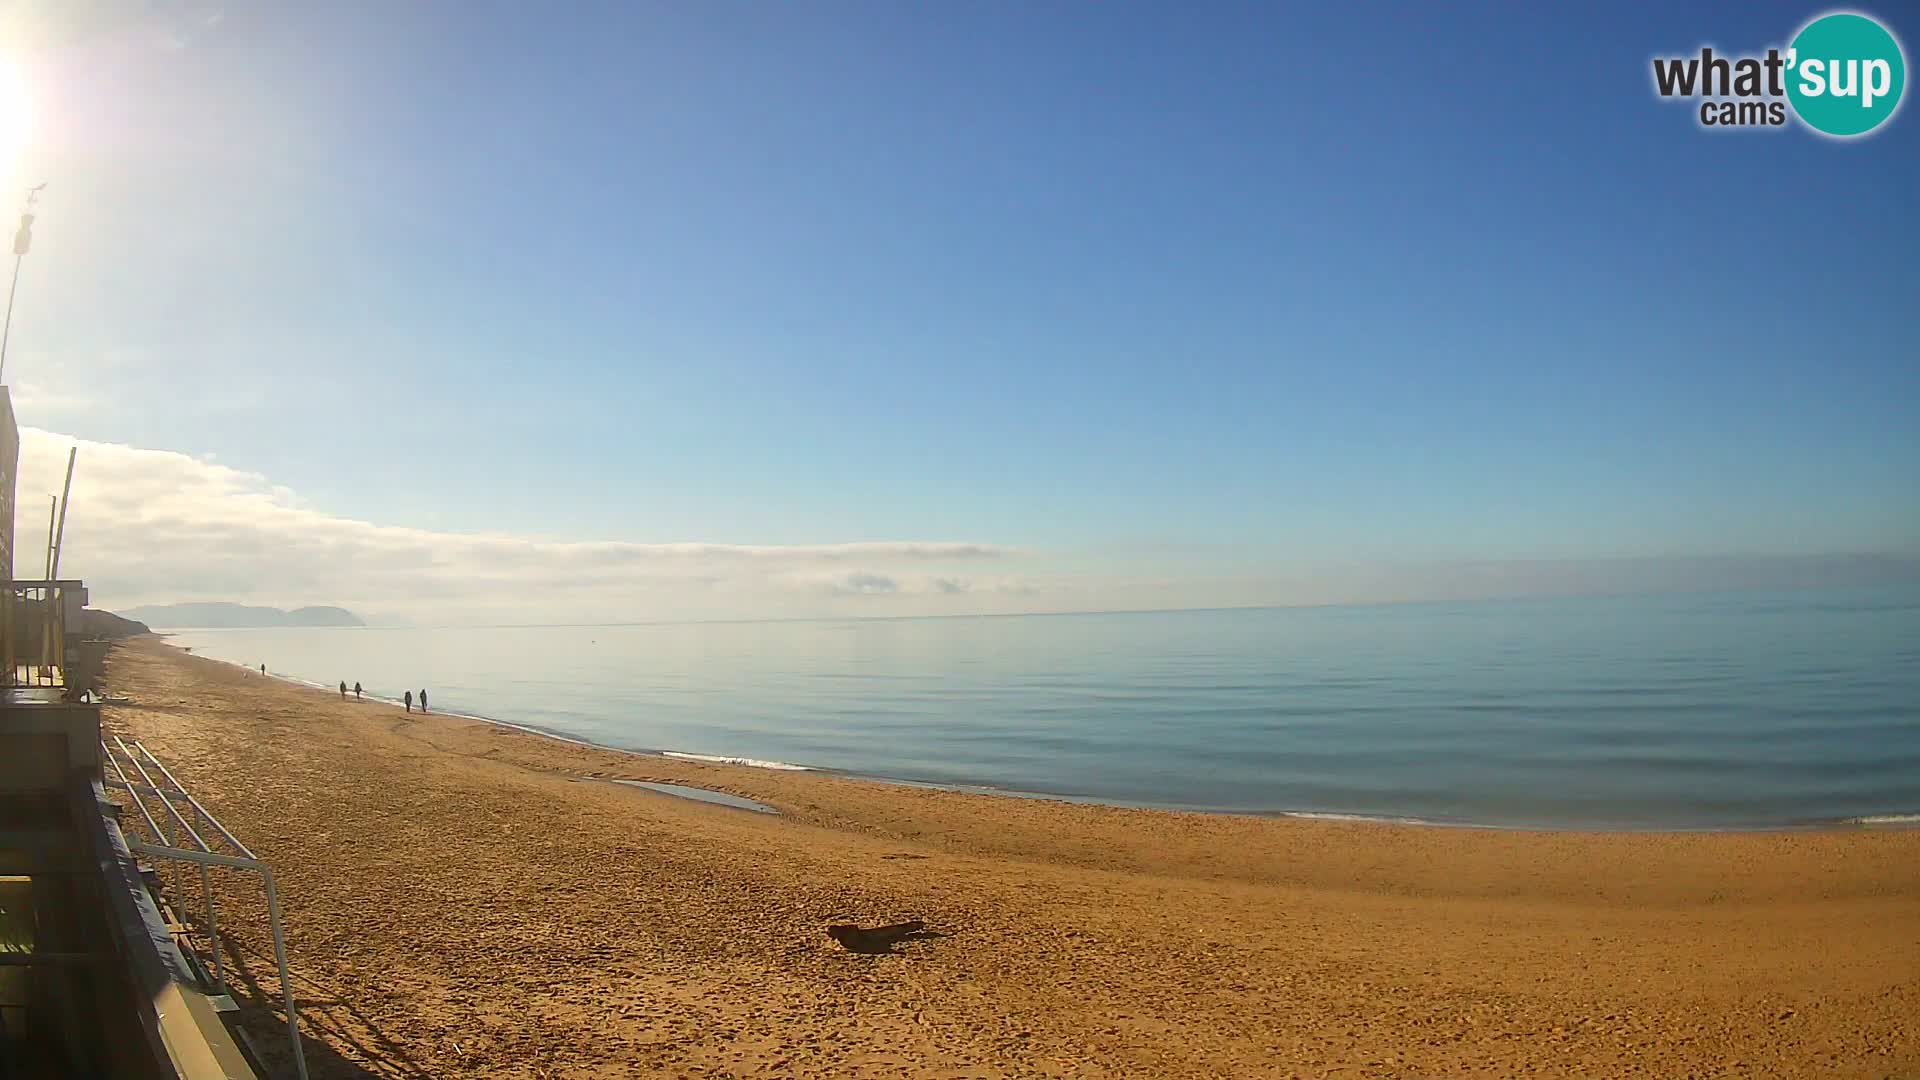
211, 858
60, 531
213, 930
280, 958
7, 331
46, 598
22, 240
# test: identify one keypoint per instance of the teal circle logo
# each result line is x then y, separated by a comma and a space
1845, 73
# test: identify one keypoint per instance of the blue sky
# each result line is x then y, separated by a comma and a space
1146, 292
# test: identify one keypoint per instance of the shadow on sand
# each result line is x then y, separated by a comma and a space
879, 940
327, 1026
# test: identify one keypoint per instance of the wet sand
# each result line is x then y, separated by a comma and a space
464, 899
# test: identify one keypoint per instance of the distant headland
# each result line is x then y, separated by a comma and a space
221, 616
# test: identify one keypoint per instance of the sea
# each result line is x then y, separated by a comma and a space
1708, 710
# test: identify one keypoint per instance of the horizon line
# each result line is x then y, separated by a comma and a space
1309, 606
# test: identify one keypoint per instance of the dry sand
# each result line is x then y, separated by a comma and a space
460, 903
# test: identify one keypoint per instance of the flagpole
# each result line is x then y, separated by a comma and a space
21, 241
7, 330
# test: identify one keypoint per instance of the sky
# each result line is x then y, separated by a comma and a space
488, 311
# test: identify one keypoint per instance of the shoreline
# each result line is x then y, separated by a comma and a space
464, 898
1880, 822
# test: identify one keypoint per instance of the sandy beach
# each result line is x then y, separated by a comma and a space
463, 899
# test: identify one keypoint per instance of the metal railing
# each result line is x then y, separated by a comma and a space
202, 856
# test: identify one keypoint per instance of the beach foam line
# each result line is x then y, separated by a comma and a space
752, 763
526, 729
1885, 819
1378, 819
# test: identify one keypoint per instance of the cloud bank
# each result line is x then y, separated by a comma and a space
154, 526
157, 526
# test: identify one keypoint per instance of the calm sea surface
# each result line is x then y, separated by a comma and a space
1722, 710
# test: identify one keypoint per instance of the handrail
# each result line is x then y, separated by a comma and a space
130, 786
179, 818
206, 882
203, 858
191, 801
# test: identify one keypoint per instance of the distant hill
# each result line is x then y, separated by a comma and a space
106, 626
230, 616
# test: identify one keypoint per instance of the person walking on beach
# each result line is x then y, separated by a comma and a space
408, 698
423, 699
343, 689
263, 669
356, 691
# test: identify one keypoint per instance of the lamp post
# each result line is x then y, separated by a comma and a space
22, 240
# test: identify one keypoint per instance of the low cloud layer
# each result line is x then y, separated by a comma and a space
150, 526
155, 526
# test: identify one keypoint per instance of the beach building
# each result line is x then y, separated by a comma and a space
93, 981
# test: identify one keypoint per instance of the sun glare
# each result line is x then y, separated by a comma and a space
16, 118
